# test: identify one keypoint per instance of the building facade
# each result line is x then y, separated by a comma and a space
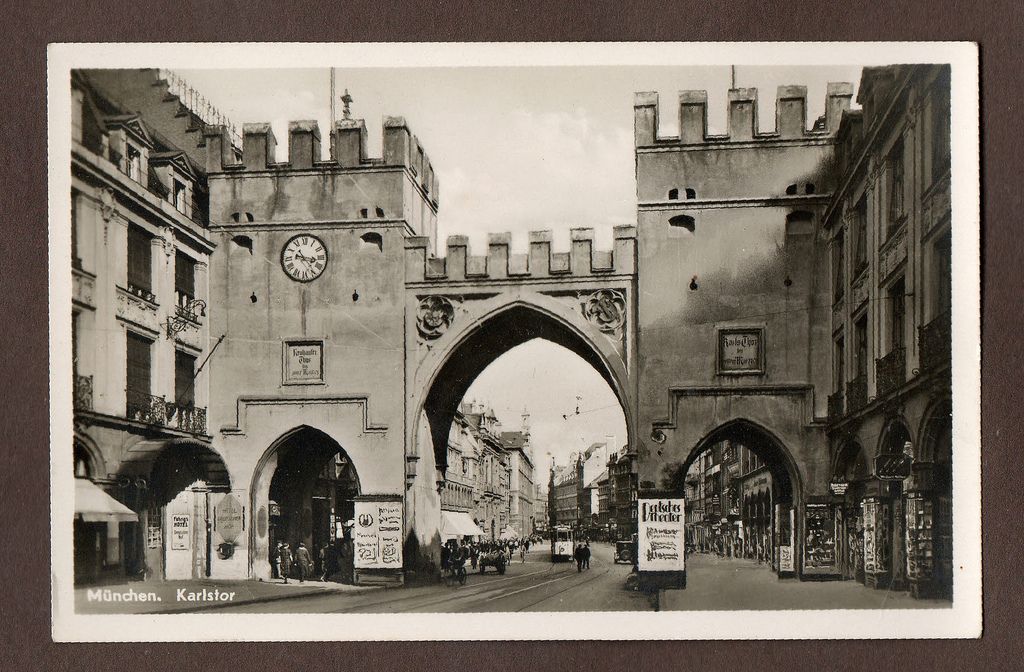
889, 415
827, 331
623, 493
140, 246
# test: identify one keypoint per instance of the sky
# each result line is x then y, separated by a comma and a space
518, 149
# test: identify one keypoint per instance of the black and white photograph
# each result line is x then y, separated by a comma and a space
371, 341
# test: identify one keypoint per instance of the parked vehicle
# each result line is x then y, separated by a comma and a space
624, 552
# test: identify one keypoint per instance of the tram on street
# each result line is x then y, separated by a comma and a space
563, 543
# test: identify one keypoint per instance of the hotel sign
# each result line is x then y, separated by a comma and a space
741, 350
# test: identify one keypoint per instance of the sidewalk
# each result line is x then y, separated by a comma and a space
169, 597
714, 583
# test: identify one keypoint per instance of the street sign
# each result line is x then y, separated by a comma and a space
892, 466
839, 487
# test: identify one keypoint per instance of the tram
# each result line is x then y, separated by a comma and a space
563, 543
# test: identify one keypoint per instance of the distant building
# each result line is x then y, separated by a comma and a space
623, 481
522, 491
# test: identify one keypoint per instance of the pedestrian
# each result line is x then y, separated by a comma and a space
586, 556
275, 560
328, 561
474, 554
577, 555
285, 560
446, 554
304, 562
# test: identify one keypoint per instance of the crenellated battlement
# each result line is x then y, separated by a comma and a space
348, 140
790, 116
539, 262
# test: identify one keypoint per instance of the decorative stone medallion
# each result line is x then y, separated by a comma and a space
605, 309
435, 315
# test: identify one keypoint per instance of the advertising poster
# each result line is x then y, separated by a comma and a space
820, 542
377, 536
661, 526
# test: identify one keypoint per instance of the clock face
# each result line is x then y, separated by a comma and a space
304, 257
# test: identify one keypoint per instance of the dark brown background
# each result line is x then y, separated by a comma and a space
29, 26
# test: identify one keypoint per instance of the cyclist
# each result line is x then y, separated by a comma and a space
457, 563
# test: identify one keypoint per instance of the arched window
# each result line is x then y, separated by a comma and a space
371, 240
684, 221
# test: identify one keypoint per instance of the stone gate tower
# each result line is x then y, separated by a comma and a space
308, 278
734, 309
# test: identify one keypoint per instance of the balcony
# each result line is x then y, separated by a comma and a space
835, 405
141, 292
146, 408
891, 371
935, 342
857, 393
82, 394
187, 418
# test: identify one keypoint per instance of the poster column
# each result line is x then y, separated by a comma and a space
661, 542
820, 541
377, 540
785, 540
876, 542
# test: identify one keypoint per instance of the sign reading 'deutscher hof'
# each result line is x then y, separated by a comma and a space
661, 533
228, 518
303, 362
740, 350
377, 536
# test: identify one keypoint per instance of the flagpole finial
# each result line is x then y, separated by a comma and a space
346, 100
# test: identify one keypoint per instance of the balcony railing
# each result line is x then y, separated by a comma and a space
891, 371
857, 393
146, 408
187, 418
835, 405
82, 396
154, 410
936, 343
141, 292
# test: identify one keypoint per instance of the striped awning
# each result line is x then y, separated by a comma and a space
456, 524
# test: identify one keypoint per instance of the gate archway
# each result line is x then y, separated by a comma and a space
770, 529
303, 492
459, 358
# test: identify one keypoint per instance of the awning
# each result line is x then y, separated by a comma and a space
509, 533
458, 524
95, 506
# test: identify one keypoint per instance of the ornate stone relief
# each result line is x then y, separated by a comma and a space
434, 317
605, 309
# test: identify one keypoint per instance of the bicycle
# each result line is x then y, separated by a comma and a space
456, 574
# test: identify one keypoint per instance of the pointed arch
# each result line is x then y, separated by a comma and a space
459, 357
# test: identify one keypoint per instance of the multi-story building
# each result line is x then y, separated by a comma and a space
140, 247
622, 474
521, 485
459, 494
604, 502
565, 492
492, 510
888, 224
